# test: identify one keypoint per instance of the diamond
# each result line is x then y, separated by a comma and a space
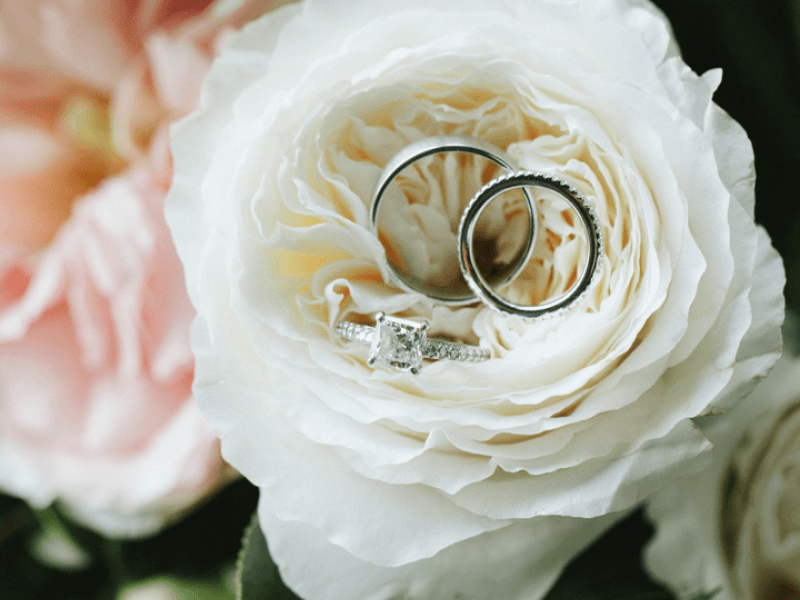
397, 343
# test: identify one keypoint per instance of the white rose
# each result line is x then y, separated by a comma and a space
476, 479
734, 527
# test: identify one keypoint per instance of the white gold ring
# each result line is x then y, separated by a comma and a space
586, 215
439, 145
401, 344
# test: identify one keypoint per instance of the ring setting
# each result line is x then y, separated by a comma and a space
402, 344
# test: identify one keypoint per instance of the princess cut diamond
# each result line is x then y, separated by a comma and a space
397, 343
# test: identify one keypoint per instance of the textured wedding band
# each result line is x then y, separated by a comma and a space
401, 344
579, 205
439, 145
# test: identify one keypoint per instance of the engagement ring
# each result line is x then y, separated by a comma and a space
401, 344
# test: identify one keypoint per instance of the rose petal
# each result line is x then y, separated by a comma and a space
519, 561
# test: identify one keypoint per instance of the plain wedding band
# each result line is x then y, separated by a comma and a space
438, 145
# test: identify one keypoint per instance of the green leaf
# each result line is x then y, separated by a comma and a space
257, 577
177, 588
708, 595
55, 546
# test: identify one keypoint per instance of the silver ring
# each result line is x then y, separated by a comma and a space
401, 344
584, 210
439, 145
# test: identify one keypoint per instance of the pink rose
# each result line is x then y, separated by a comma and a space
96, 408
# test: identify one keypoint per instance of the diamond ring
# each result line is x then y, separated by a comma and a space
439, 145
579, 205
401, 344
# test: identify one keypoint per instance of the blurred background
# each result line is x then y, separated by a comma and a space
757, 45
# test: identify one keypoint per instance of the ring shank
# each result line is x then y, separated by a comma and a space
433, 349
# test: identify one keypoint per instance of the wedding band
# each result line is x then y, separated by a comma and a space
439, 145
401, 344
521, 179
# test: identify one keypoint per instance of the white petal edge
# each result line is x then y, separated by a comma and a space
519, 562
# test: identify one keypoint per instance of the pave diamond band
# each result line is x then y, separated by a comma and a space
402, 344
581, 207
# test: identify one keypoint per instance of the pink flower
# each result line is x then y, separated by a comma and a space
96, 409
